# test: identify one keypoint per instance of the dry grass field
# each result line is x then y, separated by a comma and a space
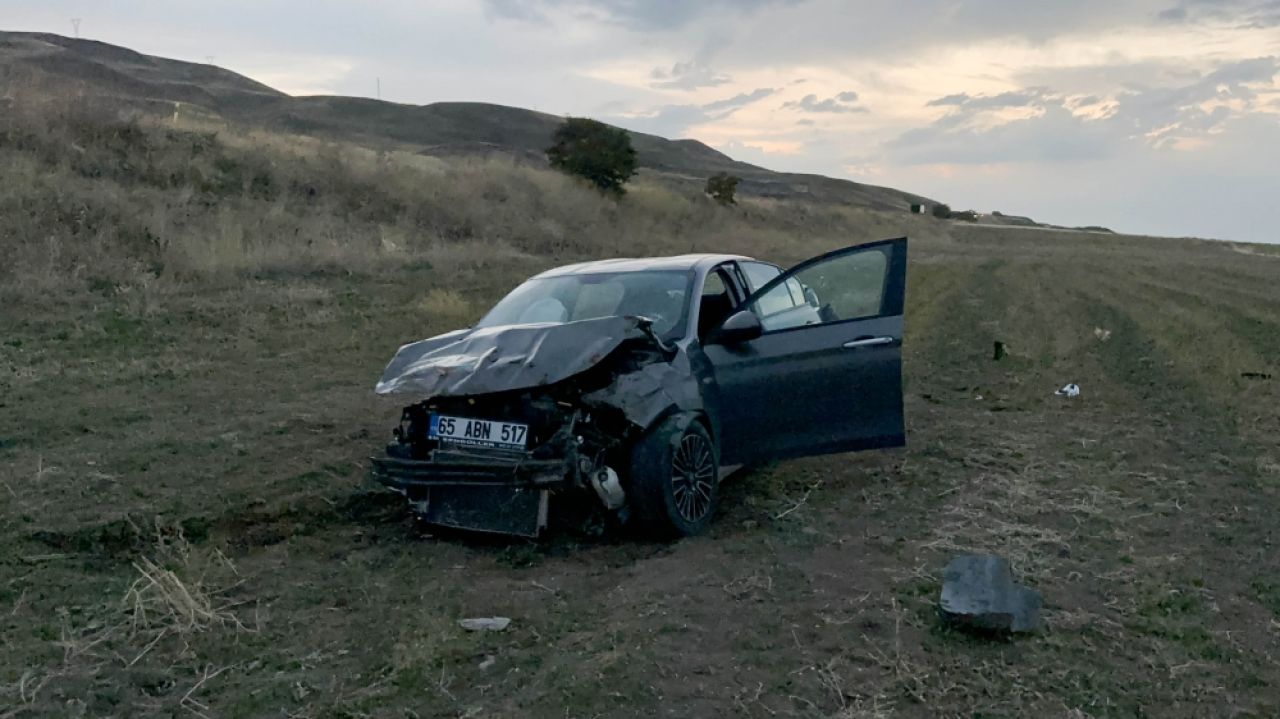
188, 344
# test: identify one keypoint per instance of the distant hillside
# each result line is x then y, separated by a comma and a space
53, 64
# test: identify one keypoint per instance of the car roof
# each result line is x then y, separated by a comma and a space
640, 264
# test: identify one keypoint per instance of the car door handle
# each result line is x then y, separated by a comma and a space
869, 342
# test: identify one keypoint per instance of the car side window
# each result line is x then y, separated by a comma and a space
758, 273
715, 303
845, 287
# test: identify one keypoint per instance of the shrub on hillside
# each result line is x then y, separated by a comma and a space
722, 186
941, 211
594, 151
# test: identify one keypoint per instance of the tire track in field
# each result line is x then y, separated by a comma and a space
1011, 482
1233, 352
1018, 486
1255, 322
1188, 356
1198, 517
1254, 278
1209, 517
932, 284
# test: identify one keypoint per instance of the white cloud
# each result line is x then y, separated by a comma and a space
676, 120
740, 100
642, 15
687, 76
841, 102
1167, 116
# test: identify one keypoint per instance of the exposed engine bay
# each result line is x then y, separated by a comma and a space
565, 403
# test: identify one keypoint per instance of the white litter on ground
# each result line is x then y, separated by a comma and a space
484, 624
1071, 390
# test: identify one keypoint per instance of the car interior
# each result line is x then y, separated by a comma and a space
716, 303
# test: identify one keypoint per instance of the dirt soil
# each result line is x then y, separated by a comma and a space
186, 528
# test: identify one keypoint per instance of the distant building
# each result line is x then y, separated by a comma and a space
918, 208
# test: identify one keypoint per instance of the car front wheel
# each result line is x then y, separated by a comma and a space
674, 478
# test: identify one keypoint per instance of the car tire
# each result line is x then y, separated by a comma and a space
674, 479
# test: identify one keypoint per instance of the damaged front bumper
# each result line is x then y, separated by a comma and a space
500, 493
467, 469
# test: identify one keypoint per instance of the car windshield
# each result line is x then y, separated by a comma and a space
658, 295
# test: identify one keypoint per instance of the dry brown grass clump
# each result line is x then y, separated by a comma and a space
445, 305
179, 592
161, 599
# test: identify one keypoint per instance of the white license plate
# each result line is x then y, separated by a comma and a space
478, 432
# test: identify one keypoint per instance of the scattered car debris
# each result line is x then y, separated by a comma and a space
1255, 375
978, 593
485, 624
1101, 334
1069, 390
633, 384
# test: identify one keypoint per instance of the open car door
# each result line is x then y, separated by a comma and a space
823, 370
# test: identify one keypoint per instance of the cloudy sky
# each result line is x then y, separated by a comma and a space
1159, 116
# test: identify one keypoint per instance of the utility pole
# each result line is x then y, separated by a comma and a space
75, 27
379, 88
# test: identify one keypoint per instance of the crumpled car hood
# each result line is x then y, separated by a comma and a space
500, 359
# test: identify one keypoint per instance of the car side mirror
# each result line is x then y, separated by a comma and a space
742, 326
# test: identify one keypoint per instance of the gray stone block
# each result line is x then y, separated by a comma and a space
978, 592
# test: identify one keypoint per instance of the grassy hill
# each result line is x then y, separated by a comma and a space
91, 200
193, 315
52, 64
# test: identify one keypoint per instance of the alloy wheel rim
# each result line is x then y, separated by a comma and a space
693, 474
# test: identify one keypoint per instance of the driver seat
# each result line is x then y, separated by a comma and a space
712, 310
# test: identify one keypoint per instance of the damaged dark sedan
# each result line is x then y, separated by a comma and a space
634, 385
